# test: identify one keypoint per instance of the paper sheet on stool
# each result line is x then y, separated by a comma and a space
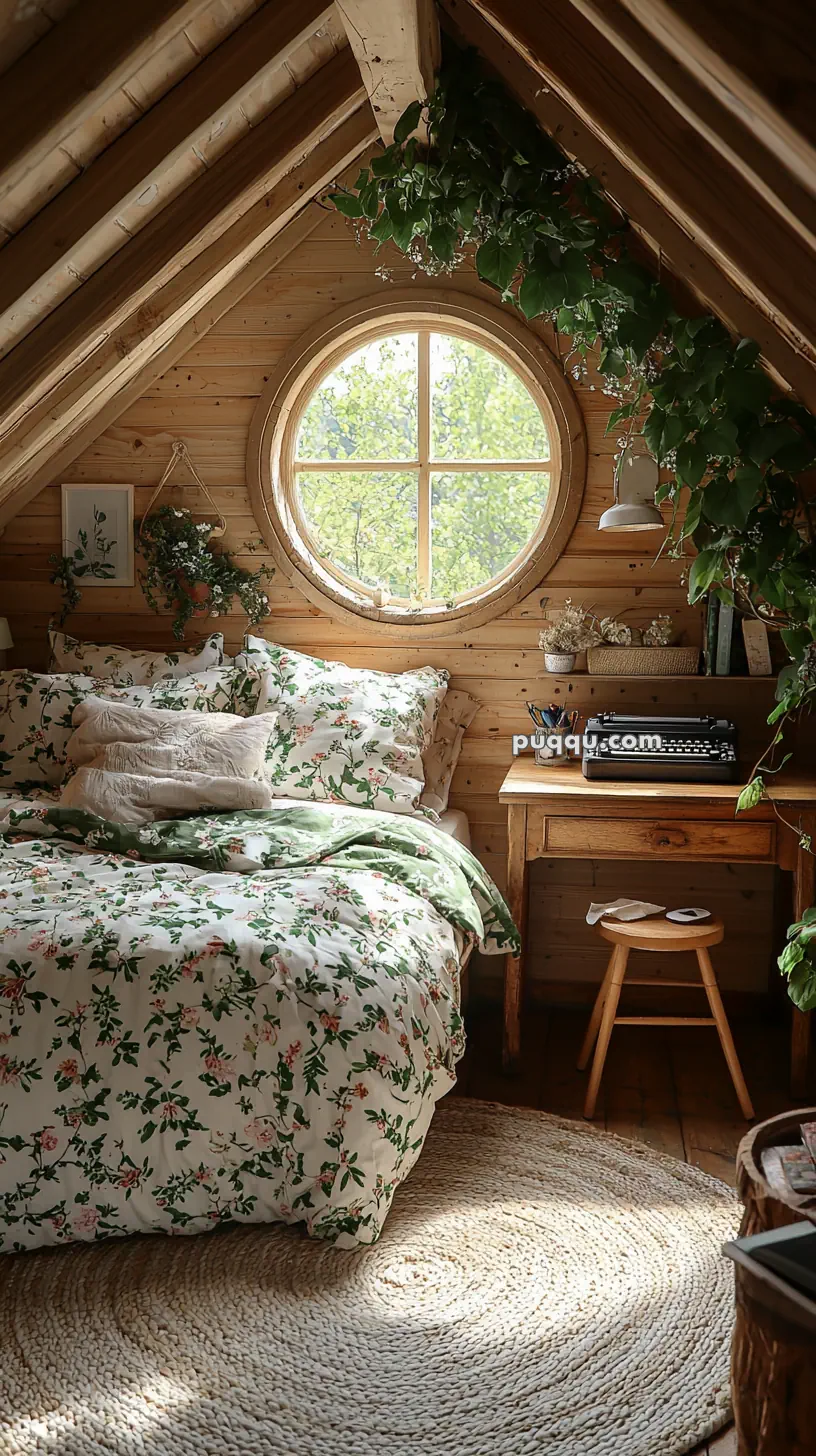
623, 910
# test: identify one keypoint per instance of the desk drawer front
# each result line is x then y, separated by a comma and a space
670, 839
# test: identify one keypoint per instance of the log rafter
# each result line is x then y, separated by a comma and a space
43, 248
706, 111
680, 250
68, 74
747, 240
53, 383
759, 60
396, 44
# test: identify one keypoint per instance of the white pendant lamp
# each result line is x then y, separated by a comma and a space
636, 479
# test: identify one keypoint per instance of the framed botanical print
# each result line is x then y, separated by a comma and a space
97, 533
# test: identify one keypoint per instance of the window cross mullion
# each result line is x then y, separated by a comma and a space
424, 451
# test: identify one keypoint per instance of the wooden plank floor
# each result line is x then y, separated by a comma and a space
666, 1087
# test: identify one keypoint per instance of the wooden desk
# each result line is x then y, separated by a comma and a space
557, 813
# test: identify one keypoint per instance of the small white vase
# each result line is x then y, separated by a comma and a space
559, 661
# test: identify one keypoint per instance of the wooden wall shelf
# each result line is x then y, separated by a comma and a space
644, 677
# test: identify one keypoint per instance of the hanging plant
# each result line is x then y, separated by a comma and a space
491, 185
182, 572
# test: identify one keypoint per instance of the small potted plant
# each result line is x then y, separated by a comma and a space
574, 632
182, 571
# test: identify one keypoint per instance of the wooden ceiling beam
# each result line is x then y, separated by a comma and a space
57, 379
723, 128
759, 60
682, 253
262, 44
137, 383
68, 74
751, 244
201, 213
396, 44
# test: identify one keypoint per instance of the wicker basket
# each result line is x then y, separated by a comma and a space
643, 661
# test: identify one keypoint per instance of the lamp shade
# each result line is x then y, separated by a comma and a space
632, 516
636, 478
6, 639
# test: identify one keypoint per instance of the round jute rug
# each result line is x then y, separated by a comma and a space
539, 1288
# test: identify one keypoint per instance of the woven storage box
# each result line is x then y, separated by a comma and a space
643, 661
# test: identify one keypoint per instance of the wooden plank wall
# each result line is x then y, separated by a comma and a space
208, 401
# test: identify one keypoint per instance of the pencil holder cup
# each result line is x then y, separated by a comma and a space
550, 756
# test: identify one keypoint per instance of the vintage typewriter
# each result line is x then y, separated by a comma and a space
688, 750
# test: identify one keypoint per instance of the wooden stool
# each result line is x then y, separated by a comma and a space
657, 935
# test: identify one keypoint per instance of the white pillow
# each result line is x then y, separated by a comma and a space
346, 734
36, 711
128, 668
442, 755
135, 765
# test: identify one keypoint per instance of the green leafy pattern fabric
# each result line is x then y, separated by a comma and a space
35, 724
230, 1017
346, 735
127, 667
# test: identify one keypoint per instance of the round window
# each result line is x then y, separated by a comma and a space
415, 465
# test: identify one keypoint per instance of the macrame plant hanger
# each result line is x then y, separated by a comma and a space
181, 455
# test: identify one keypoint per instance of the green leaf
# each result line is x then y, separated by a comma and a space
497, 262
692, 518
535, 295
791, 956
653, 431
370, 200
442, 242
802, 985
388, 163
765, 441
719, 439
465, 211
623, 412
746, 389
705, 569
674, 430
751, 795
382, 229
347, 203
726, 503
799, 455
692, 459
408, 122
796, 640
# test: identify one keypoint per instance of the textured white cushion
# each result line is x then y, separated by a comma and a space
127, 667
135, 765
345, 734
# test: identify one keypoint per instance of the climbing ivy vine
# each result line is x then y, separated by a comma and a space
486, 181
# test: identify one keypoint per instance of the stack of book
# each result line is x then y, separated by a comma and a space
734, 645
788, 1253
792, 1169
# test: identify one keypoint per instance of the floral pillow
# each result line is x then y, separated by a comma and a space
218, 690
36, 711
345, 734
128, 668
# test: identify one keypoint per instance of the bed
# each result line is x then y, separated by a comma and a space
240, 1016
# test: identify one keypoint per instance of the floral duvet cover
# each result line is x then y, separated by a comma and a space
238, 1016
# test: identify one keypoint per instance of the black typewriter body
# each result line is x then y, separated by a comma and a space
679, 750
